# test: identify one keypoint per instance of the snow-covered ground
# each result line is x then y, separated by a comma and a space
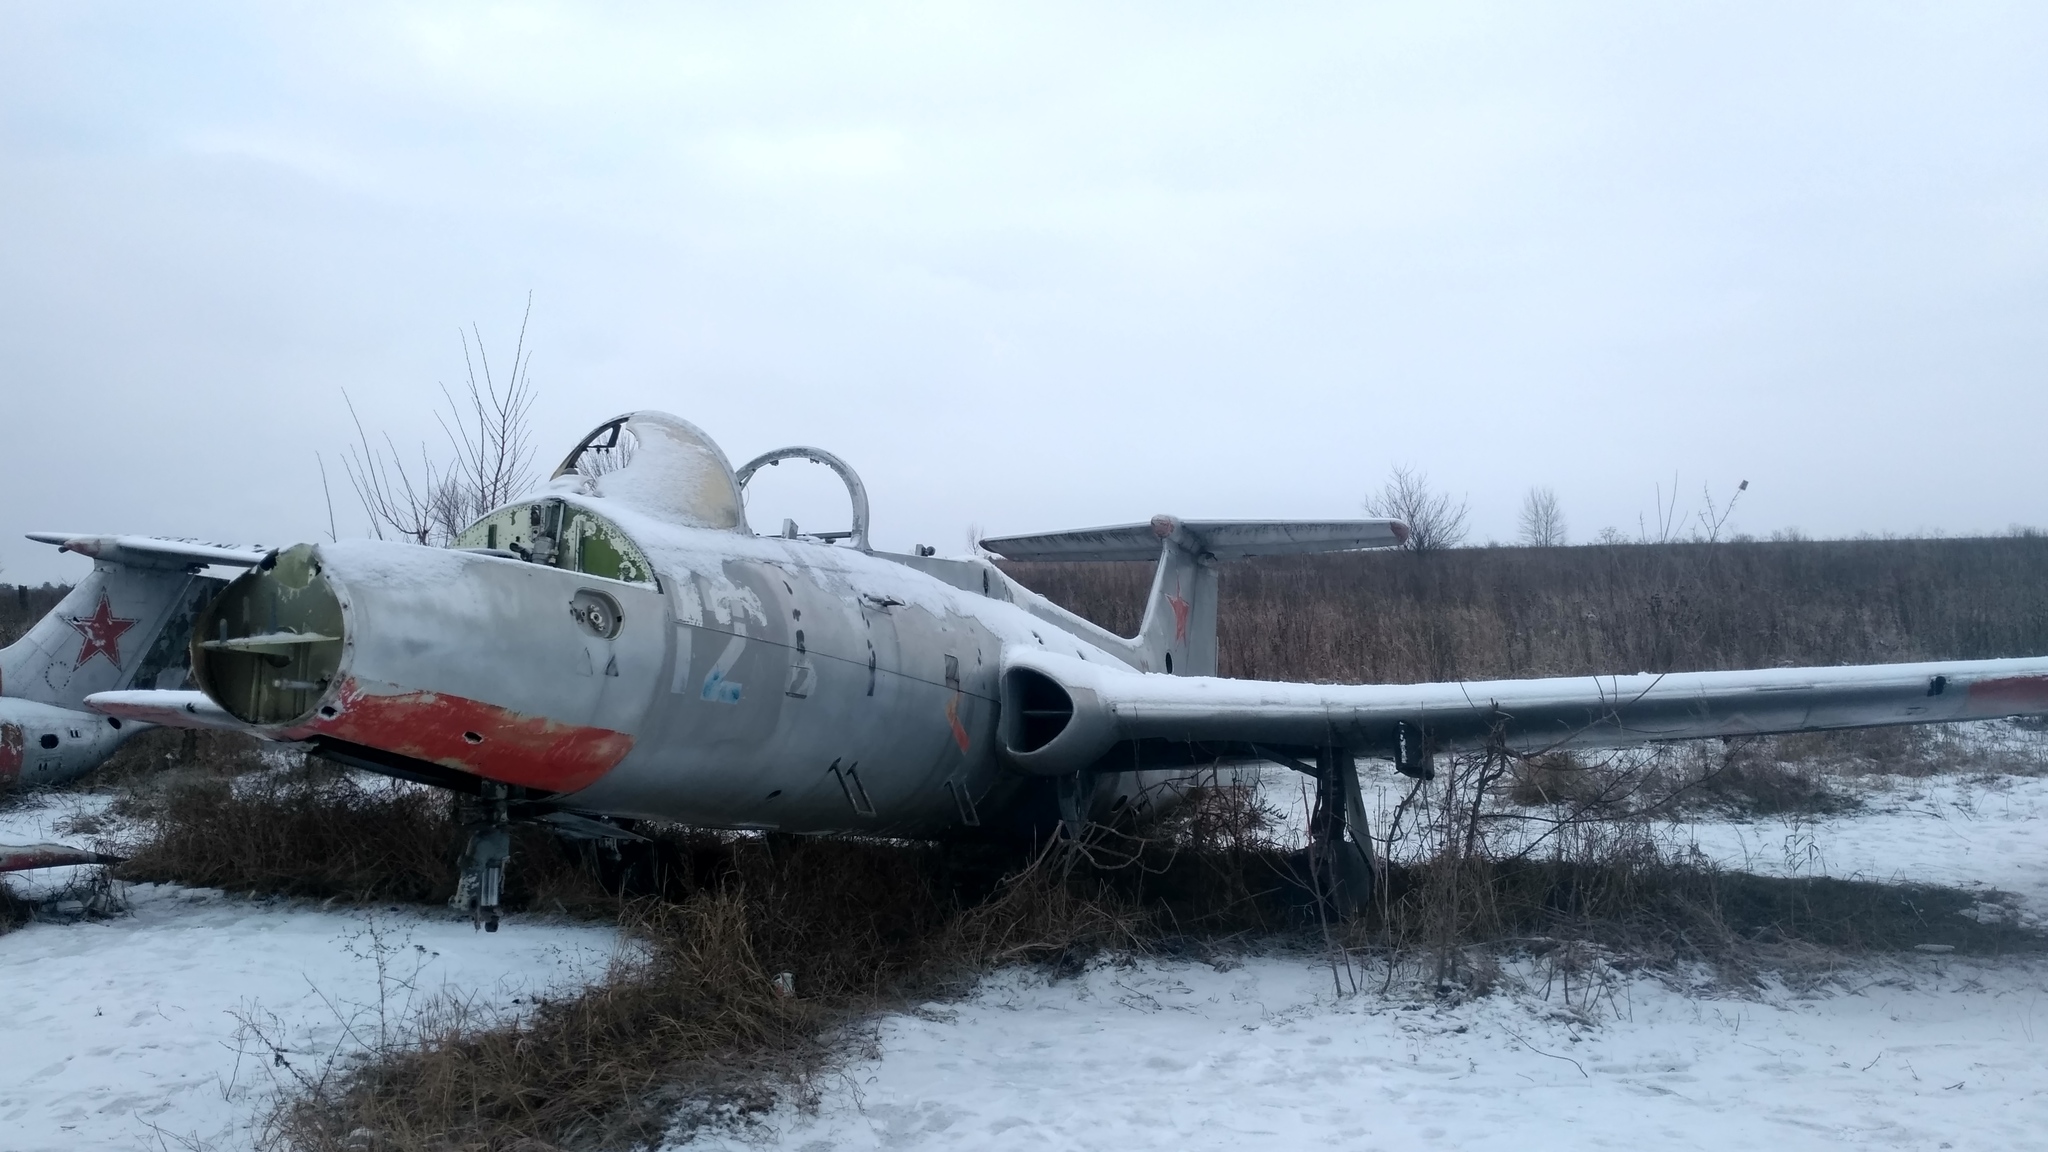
1161, 1056
164, 1028
1976, 831
1925, 1052
155, 1029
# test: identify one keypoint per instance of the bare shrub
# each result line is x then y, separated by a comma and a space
315, 832
1464, 875
1554, 778
489, 460
1434, 520
14, 911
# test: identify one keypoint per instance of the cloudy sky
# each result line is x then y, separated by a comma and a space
1038, 266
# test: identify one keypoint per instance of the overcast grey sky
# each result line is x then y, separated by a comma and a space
1039, 265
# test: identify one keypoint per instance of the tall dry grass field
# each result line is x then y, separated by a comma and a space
1480, 613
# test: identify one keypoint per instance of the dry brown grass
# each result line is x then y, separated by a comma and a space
690, 1028
308, 832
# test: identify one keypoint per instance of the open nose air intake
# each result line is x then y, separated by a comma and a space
269, 646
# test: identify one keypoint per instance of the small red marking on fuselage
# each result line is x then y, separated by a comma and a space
102, 631
1181, 608
953, 718
2010, 695
516, 748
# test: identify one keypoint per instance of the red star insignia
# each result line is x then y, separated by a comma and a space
1180, 616
102, 631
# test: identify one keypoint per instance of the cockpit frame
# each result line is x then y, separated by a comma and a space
856, 492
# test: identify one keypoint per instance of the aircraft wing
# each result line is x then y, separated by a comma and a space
172, 709
152, 551
22, 857
1062, 714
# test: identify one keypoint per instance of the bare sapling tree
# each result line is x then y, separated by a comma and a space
1434, 520
1714, 518
1542, 520
1667, 517
488, 463
1711, 519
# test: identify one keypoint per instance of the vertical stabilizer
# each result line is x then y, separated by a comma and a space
125, 625
1178, 634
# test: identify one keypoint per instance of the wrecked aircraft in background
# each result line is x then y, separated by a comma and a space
127, 624
623, 646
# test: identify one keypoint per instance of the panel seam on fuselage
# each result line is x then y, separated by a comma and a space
860, 664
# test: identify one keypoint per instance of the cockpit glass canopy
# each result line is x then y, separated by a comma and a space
659, 465
561, 535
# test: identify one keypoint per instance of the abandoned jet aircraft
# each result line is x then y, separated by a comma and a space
624, 646
127, 624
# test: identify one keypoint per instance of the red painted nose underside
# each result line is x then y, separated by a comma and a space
471, 736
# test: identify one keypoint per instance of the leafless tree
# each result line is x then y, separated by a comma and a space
1434, 521
489, 462
1542, 519
1712, 518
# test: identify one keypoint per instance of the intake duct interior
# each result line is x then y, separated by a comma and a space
1036, 709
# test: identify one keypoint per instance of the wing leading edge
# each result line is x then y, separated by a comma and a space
1219, 539
1063, 714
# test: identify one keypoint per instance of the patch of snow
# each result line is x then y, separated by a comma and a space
164, 1020
1964, 831
1174, 1056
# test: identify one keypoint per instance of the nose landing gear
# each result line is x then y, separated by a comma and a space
483, 861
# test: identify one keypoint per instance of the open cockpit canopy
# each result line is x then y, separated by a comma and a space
658, 465
649, 462
655, 465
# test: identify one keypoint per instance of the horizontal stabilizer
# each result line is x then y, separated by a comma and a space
1223, 539
152, 551
171, 709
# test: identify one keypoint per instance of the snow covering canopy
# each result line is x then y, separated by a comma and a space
656, 464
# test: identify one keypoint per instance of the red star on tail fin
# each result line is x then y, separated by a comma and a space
102, 631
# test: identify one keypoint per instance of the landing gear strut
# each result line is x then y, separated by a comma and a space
483, 861
1347, 862
1074, 790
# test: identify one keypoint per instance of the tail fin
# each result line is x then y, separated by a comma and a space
1178, 634
127, 624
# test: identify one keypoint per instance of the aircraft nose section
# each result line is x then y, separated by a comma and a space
269, 648
422, 661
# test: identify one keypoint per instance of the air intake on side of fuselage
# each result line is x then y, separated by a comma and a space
1035, 709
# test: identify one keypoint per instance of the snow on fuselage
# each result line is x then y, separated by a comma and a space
743, 682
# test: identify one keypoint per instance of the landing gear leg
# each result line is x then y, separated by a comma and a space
483, 861
1340, 806
1073, 792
